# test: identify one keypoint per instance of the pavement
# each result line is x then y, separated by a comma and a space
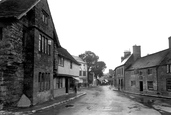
160, 103
52, 103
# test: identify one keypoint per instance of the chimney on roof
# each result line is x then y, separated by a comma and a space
126, 54
169, 42
136, 52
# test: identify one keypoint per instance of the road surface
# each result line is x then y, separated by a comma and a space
101, 101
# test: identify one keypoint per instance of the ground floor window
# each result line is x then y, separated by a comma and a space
43, 81
60, 83
150, 85
168, 84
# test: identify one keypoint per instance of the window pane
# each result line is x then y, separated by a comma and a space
168, 84
150, 84
49, 47
70, 65
167, 68
80, 73
43, 17
43, 43
40, 40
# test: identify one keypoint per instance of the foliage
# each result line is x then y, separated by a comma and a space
99, 68
90, 58
93, 65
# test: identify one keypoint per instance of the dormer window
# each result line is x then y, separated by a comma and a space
45, 17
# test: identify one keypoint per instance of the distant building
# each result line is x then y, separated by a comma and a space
111, 77
82, 71
151, 74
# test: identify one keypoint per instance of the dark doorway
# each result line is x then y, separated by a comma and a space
141, 85
66, 84
121, 83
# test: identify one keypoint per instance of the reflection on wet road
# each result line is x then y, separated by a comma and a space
102, 101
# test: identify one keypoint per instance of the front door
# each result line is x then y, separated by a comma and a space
141, 85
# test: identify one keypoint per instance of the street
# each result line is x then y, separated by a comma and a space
104, 101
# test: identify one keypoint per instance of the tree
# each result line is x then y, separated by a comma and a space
99, 67
91, 59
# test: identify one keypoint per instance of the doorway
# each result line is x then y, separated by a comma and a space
141, 85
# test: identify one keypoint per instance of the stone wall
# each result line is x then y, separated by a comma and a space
162, 77
43, 63
11, 64
135, 75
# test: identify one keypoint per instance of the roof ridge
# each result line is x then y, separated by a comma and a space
151, 60
153, 53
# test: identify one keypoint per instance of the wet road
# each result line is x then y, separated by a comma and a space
101, 101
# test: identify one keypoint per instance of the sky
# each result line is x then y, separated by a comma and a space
110, 27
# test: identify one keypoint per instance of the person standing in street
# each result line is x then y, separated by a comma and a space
75, 88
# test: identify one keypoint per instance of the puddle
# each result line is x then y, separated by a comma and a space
69, 106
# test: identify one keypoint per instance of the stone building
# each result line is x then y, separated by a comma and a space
27, 41
126, 61
151, 74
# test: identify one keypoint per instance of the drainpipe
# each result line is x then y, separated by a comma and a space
157, 80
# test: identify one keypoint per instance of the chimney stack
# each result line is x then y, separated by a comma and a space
136, 52
169, 42
126, 54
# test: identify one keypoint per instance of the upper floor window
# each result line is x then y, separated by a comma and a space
70, 64
80, 73
168, 68
49, 47
60, 61
0, 33
136, 71
122, 71
84, 73
40, 42
45, 17
44, 44
149, 71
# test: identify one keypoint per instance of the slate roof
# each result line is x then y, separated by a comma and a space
151, 60
78, 59
16, 8
63, 52
124, 61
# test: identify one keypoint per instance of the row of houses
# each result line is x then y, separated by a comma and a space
33, 64
148, 75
